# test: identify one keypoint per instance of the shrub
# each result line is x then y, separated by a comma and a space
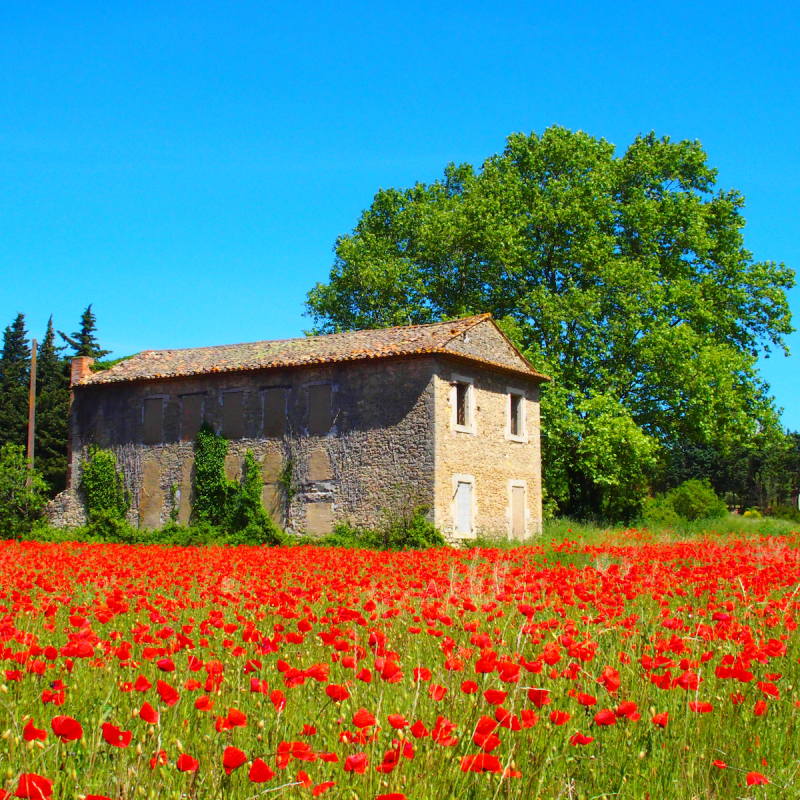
791, 513
659, 513
413, 531
23, 493
104, 486
695, 499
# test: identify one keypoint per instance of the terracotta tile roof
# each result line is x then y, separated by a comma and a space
308, 350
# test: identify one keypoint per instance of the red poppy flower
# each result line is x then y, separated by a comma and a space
422, 674
142, 684
483, 762
756, 779
186, 763
166, 665
495, 696
720, 764
661, 719
159, 758
605, 717
67, 729
31, 733
204, 703
580, 739
232, 759
418, 730
760, 707
469, 687
398, 721
33, 786
436, 692
323, 787
114, 736
148, 713
700, 707
168, 694
237, 719
356, 763
391, 796
260, 772
539, 697
336, 692
559, 717
363, 719
364, 675
278, 699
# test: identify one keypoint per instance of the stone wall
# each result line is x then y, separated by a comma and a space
381, 441
487, 455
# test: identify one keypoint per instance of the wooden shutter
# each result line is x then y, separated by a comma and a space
274, 413
464, 508
320, 417
191, 416
233, 415
153, 432
518, 512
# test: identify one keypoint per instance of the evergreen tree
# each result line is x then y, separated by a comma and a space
84, 342
52, 411
14, 383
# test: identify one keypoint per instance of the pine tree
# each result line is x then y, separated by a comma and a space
84, 342
52, 411
14, 383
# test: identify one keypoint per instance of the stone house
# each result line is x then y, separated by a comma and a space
443, 415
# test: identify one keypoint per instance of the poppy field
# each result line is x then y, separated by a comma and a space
631, 669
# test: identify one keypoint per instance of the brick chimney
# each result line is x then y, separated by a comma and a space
81, 368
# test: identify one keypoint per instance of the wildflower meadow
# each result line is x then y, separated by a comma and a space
630, 669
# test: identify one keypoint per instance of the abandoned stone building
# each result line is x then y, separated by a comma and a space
443, 415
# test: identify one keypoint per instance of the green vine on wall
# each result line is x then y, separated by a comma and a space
103, 485
231, 505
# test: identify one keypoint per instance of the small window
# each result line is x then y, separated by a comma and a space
153, 420
464, 508
191, 416
233, 415
462, 405
320, 415
274, 413
517, 410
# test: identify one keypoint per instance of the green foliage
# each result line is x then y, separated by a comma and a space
624, 277
412, 531
103, 485
84, 341
692, 500
790, 513
102, 366
696, 499
234, 507
22, 493
52, 412
14, 383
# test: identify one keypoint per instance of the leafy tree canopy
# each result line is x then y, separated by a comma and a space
624, 277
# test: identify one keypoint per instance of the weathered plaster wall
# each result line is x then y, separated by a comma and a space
487, 454
381, 441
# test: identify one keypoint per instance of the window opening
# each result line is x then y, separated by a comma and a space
153, 420
516, 415
233, 415
320, 415
462, 404
274, 413
518, 512
191, 416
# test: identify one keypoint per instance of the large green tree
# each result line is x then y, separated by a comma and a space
14, 383
625, 277
52, 411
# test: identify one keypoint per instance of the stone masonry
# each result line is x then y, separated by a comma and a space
387, 434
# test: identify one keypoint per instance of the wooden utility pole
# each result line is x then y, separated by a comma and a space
32, 406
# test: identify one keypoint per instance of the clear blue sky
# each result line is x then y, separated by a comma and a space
187, 166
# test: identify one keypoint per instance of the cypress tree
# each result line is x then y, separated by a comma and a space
14, 383
52, 411
84, 342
